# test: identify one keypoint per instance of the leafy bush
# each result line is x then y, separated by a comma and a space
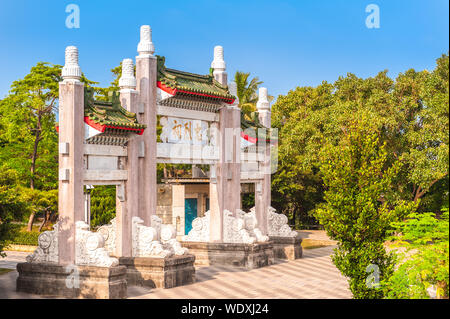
248, 201
360, 207
425, 262
103, 205
4, 228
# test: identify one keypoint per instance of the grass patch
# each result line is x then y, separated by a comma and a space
312, 243
18, 235
314, 246
5, 270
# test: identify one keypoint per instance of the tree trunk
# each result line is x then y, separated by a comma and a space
419, 192
30, 221
294, 219
47, 214
33, 167
442, 285
42, 224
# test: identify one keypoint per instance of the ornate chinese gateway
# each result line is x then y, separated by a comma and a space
115, 142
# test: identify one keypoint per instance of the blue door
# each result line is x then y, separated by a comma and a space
190, 213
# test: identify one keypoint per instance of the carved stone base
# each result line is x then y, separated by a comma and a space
55, 280
289, 248
157, 272
249, 256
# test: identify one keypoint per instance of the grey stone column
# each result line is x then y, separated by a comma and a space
128, 205
178, 209
263, 191
146, 86
71, 137
225, 190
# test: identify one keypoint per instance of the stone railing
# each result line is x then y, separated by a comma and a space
47, 250
278, 224
89, 247
157, 240
239, 229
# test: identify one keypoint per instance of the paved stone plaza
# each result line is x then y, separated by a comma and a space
312, 276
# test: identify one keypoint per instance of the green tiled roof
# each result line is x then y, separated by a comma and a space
109, 113
266, 134
191, 83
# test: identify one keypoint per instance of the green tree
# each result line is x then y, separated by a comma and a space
11, 202
247, 91
28, 115
427, 136
410, 113
41, 201
359, 205
29, 140
302, 118
104, 93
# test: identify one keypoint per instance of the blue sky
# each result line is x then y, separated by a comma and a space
285, 43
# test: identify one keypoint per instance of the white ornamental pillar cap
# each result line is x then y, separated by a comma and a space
263, 103
71, 69
232, 88
145, 45
218, 63
127, 80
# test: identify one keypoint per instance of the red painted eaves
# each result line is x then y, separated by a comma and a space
254, 140
102, 127
173, 91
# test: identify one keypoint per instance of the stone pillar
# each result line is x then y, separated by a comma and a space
200, 204
231, 153
87, 206
128, 205
215, 213
225, 189
224, 172
228, 171
71, 138
178, 209
263, 108
263, 187
146, 86
219, 66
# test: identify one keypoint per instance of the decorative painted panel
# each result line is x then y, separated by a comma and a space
185, 131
